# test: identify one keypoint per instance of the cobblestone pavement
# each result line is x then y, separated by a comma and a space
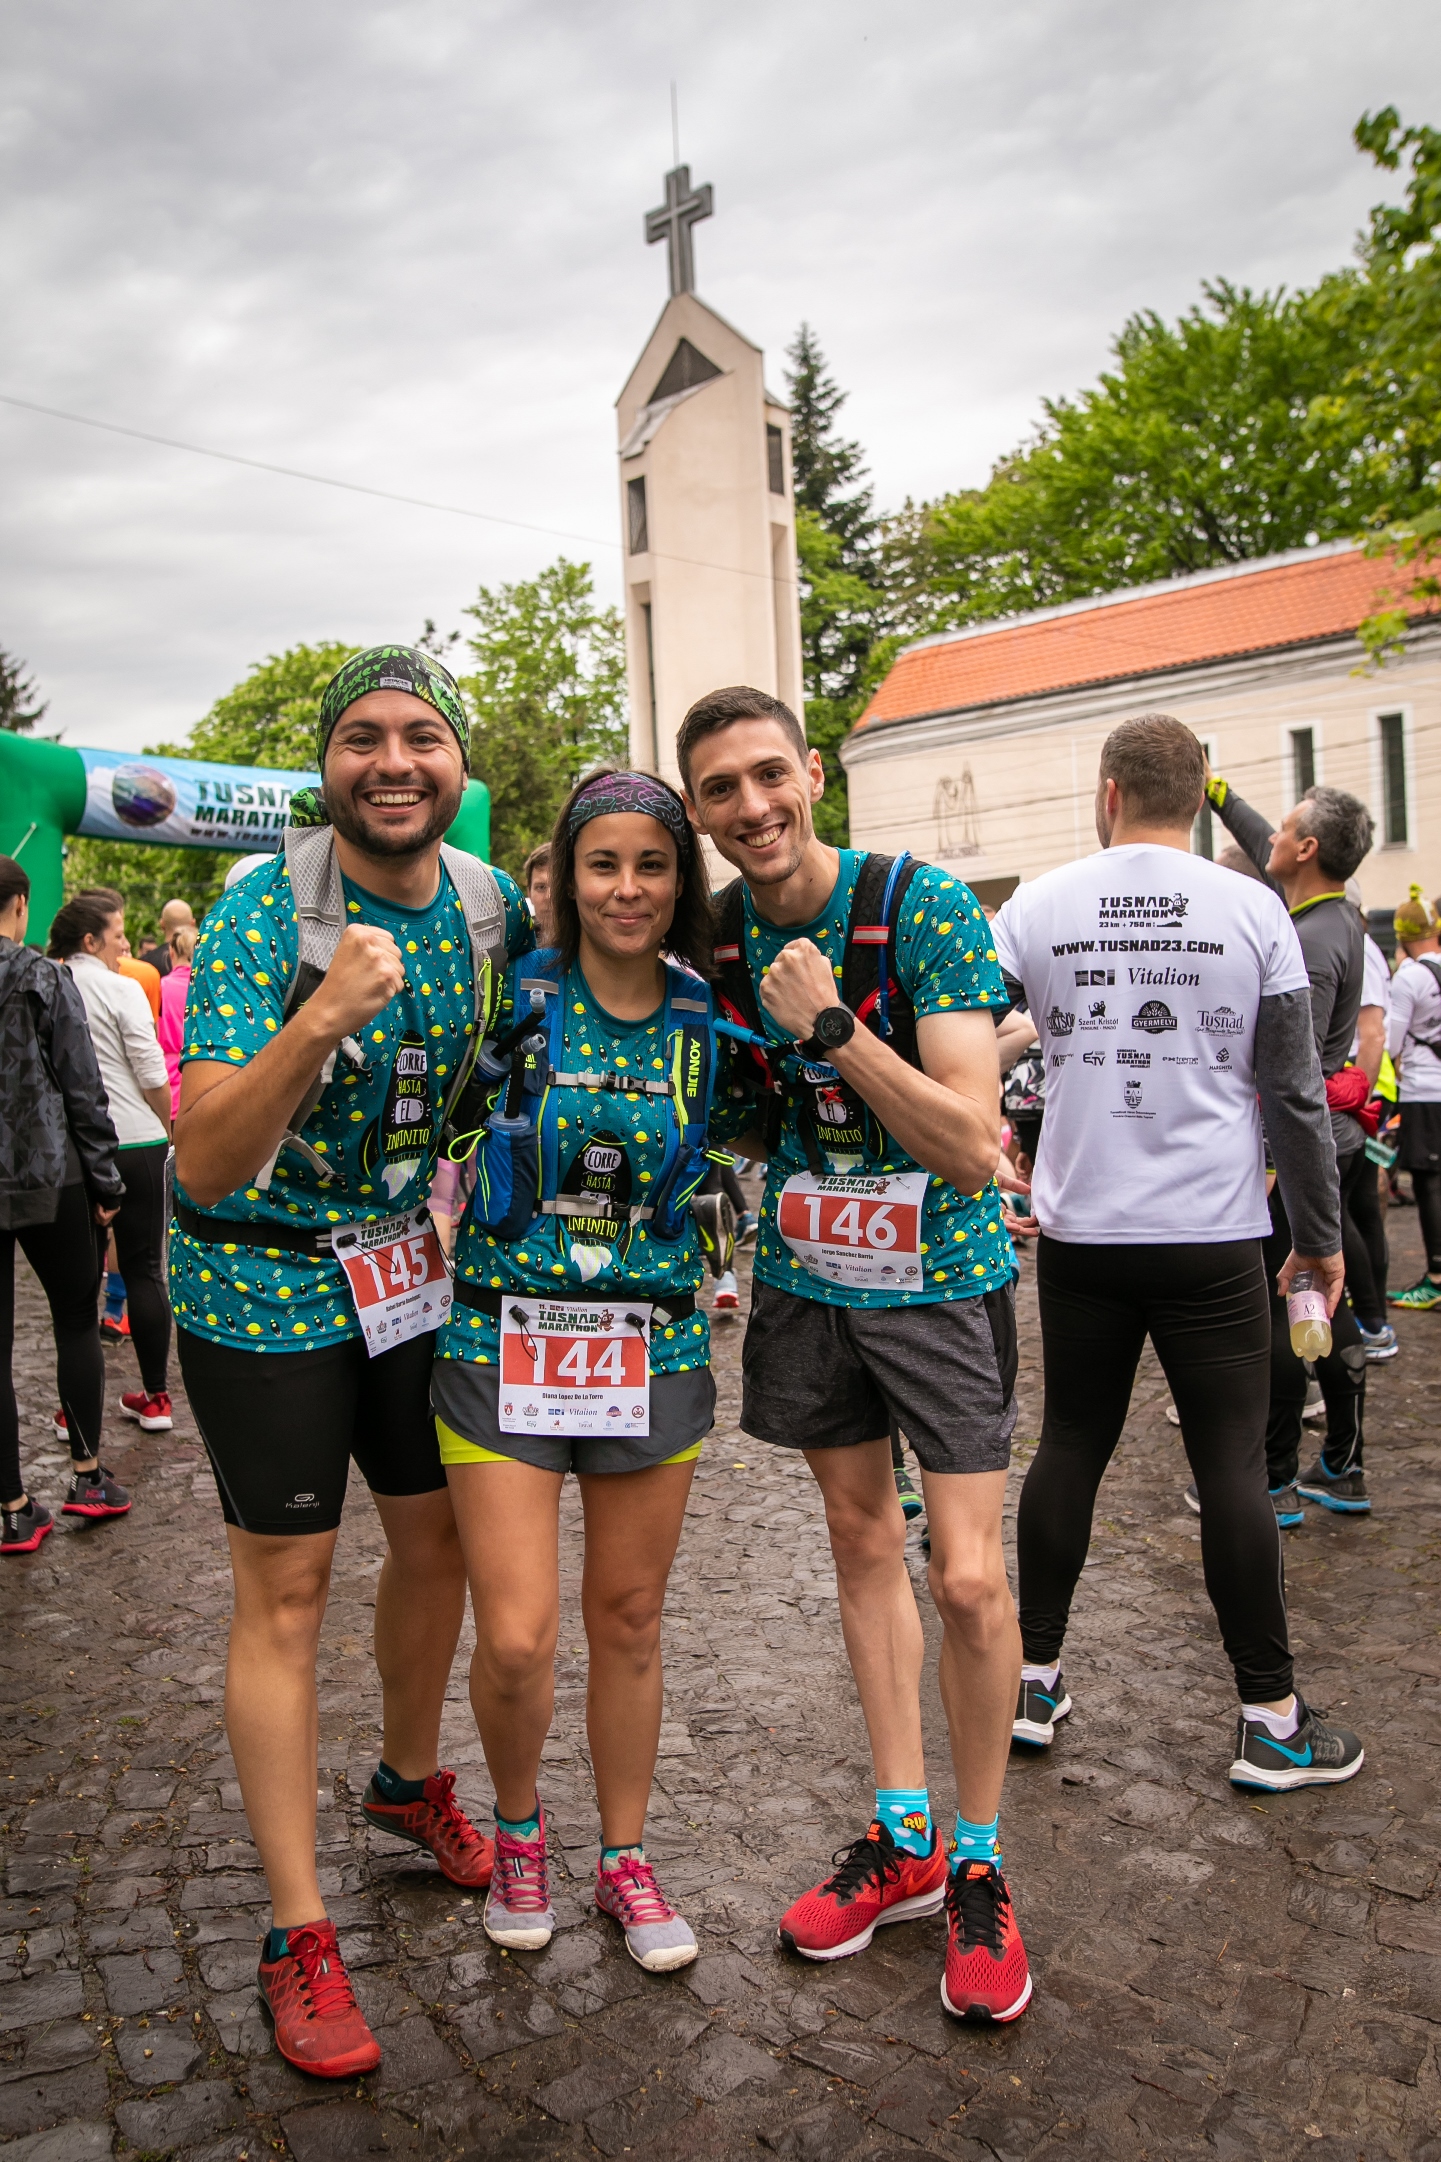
1215, 1974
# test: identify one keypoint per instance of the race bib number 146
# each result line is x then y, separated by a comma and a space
865, 1232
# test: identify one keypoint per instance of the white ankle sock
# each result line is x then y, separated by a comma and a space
1047, 1676
1280, 1725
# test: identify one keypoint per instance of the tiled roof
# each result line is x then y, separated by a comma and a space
1290, 600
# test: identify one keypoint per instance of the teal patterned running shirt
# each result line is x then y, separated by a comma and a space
378, 1126
557, 1252
946, 962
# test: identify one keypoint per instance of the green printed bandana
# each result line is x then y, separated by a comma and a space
380, 668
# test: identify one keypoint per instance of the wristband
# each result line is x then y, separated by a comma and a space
1216, 792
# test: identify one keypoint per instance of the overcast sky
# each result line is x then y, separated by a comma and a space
403, 245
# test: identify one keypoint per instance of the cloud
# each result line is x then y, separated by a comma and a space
402, 244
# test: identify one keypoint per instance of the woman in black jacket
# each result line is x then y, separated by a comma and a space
59, 1177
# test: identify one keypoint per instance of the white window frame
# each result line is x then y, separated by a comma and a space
1378, 774
1289, 797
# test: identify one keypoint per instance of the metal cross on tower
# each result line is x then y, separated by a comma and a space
683, 207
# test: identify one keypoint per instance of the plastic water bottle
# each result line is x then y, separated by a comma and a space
1306, 1312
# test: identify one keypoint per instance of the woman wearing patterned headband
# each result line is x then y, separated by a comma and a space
575, 1343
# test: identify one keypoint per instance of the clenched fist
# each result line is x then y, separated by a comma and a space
797, 985
365, 975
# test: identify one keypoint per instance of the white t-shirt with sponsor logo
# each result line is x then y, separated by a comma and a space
1144, 969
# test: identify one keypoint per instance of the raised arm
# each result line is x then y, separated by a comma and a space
232, 1119
1244, 825
947, 1116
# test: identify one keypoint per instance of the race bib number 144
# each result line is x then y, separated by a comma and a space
572, 1367
864, 1232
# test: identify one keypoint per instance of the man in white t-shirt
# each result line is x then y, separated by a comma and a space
1170, 995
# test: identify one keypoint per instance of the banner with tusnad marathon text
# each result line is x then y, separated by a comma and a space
183, 803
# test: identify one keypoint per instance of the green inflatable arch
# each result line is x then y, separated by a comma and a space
49, 790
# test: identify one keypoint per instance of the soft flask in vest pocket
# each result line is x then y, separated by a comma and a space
674, 1191
507, 1196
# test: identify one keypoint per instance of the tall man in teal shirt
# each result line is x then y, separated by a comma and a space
883, 1298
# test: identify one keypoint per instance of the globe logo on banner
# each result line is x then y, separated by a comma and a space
142, 796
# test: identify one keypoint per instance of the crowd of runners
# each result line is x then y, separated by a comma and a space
372, 1022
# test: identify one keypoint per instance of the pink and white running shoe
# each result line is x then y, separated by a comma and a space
518, 1912
656, 1937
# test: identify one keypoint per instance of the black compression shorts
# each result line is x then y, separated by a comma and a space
282, 1426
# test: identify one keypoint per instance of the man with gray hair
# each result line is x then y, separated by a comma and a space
1307, 859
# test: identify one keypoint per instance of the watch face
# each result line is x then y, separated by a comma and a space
833, 1026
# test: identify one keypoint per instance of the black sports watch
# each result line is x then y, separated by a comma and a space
835, 1025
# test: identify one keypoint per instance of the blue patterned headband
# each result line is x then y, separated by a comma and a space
612, 793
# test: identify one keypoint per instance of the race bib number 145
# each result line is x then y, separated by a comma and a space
864, 1232
397, 1277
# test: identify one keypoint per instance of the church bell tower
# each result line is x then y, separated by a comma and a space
707, 507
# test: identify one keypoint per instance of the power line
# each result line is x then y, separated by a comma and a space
290, 472
356, 487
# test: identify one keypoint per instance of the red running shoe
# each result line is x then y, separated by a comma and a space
114, 1332
21, 1530
438, 1822
319, 2027
875, 1882
987, 1977
153, 1412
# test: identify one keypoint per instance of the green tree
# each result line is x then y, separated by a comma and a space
21, 705
547, 698
841, 602
267, 720
1255, 423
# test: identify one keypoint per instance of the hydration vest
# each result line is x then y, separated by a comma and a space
509, 1114
828, 1116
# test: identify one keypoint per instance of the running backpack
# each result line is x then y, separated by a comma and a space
509, 1116
315, 882
779, 1078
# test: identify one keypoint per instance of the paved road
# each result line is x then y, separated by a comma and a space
1215, 1975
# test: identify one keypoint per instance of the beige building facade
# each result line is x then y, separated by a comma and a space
708, 526
977, 753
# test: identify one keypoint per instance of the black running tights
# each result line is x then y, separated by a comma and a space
1363, 1235
1426, 1186
140, 1252
63, 1256
1206, 1311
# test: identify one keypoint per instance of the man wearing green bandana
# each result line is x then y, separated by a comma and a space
295, 1119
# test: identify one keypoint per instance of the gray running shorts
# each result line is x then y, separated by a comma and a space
828, 1377
464, 1396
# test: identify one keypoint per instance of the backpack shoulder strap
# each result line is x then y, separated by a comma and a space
690, 1035
733, 974
319, 907
479, 896
870, 984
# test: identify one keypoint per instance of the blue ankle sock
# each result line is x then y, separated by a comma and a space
277, 1944
906, 1814
609, 1856
523, 1827
973, 1842
114, 1294
392, 1788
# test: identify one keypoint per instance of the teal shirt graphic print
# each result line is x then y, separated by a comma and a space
611, 1146
946, 963
377, 1126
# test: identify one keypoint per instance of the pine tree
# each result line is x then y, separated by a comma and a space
839, 582
21, 705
